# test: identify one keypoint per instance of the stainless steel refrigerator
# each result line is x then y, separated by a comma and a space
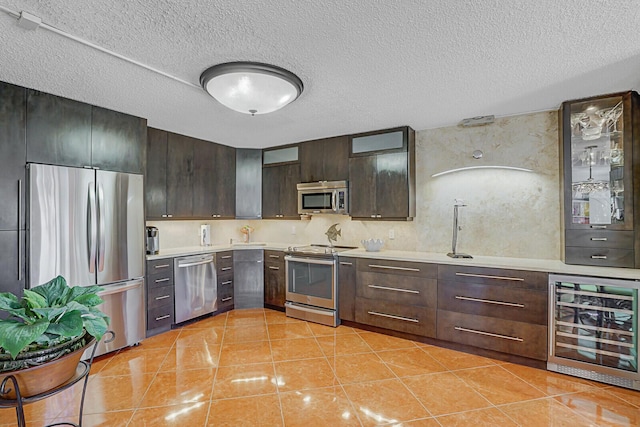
88, 226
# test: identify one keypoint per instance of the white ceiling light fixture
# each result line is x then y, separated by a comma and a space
251, 87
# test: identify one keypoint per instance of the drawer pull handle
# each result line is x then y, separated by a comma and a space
226, 268
166, 279
388, 267
387, 288
161, 266
274, 256
391, 316
228, 282
598, 257
163, 297
273, 268
346, 263
489, 334
227, 299
225, 257
166, 316
487, 276
599, 227
598, 239
490, 301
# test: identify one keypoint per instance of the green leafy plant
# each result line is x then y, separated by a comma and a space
49, 314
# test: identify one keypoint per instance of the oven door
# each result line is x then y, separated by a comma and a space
311, 281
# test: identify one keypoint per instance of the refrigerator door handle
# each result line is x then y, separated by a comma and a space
92, 227
101, 233
118, 288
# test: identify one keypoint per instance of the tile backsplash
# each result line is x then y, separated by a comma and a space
509, 213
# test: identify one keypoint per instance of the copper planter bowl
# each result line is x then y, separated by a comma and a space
44, 377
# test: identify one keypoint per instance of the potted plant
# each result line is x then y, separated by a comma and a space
51, 323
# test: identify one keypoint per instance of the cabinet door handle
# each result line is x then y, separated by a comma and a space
378, 216
227, 299
273, 268
225, 257
388, 267
489, 334
386, 288
226, 268
346, 263
228, 282
169, 216
391, 316
274, 256
163, 297
598, 257
166, 279
19, 228
166, 316
598, 239
490, 301
161, 266
487, 276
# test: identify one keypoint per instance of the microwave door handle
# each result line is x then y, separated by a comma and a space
334, 200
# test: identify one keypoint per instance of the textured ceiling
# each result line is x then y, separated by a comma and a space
365, 64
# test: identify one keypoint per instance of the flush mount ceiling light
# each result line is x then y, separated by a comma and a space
251, 87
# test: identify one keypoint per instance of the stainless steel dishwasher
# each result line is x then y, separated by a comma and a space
195, 286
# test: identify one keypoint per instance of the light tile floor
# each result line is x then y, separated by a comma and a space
258, 367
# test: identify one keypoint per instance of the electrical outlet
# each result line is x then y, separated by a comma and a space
392, 234
293, 229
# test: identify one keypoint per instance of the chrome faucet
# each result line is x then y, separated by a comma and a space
454, 254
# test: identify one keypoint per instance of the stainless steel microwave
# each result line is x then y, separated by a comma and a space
323, 197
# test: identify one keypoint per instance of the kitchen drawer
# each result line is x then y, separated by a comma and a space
161, 268
534, 280
505, 302
224, 262
398, 268
412, 319
225, 284
158, 297
273, 257
160, 280
397, 288
159, 317
601, 257
600, 239
505, 336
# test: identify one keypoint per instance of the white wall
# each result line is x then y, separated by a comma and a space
509, 213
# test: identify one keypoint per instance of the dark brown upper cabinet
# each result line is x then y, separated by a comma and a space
188, 178
600, 157
325, 160
155, 186
382, 175
65, 132
58, 130
13, 153
118, 141
280, 176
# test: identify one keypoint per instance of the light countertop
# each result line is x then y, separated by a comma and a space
544, 265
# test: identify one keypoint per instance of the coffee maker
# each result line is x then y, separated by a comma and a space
153, 241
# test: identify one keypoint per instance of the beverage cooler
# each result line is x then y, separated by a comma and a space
593, 329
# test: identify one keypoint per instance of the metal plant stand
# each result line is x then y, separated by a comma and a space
10, 383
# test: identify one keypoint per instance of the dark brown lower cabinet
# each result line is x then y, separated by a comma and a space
274, 274
224, 275
495, 309
492, 333
397, 295
160, 296
347, 289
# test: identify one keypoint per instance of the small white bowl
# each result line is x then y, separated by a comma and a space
372, 245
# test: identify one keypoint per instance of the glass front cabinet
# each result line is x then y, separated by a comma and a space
599, 135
